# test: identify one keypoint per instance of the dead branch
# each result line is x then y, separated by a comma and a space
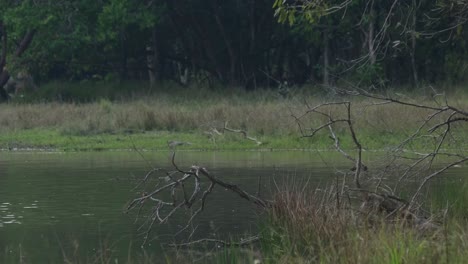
234, 188
439, 125
429, 177
329, 124
213, 132
243, 132
423, 161
243, 242
337, 145
173, 144
160, 210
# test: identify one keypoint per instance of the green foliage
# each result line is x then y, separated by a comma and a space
370, 75
118, 15
312, 11
239, 43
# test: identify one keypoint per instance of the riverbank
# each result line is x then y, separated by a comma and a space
268, 120
55, 140
309, 228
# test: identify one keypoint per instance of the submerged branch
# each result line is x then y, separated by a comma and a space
243, 242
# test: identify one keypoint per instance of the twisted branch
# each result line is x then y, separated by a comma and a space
155, 204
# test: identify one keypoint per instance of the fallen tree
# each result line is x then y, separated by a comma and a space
175, 185
213, 132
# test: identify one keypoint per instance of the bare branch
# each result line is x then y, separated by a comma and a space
243, 132
429, 177
157, 205
243, 242
331, 121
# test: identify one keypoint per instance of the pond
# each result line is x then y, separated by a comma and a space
57, 205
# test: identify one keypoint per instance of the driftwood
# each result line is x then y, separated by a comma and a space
213, 132
243, 242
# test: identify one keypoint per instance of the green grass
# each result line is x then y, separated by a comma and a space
53, 139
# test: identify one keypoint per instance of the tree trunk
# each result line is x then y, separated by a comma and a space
413, 46
152, 57
123, 56
4, 76
3, 37
252, 28
206, 47
28, 37
326, 59
370, 38
230, 49
24, 44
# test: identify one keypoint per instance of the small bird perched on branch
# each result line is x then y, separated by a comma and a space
172, 143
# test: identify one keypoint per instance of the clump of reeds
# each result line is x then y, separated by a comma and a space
301, 223
311, 227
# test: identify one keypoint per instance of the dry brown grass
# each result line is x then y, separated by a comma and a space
106, 116
262, 116
308, 227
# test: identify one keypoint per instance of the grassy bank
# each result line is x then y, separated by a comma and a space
149, 122
304, 230
53, 140
307, 227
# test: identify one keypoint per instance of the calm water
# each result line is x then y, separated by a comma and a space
51, 203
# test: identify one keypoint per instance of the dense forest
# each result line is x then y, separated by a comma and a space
247, 44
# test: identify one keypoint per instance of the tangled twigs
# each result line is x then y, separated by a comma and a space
161, 209
448, 115
444, 122
322, 111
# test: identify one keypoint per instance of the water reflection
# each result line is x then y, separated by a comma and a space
7, 216
73, 202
